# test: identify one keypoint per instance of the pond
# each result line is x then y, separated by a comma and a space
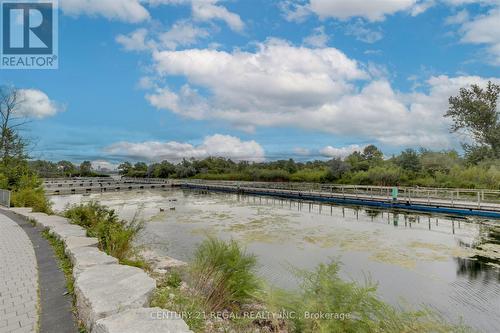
448, 263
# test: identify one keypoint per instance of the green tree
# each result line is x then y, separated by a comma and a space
475, 112
67, 167
373, 155
125, 168
357, 161
409, 160
336, 169
86, 168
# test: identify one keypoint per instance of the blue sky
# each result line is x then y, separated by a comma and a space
162, 79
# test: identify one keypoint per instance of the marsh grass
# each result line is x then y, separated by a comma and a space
222, 279
357, 307
115, 236
224, 275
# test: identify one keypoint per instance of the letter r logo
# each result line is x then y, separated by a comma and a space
27, 28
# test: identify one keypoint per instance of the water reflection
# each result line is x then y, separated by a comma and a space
477, 269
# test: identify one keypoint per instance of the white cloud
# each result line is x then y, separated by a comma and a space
104, 165
317, 89
294, 11
302, 151
318, 38
135, 41
206, 10
341, 152
215, 145
182, 33
373, 10
122, 10
359, 30
277, 74
484, 30
459, 18
422, 6
36, 104
187, 102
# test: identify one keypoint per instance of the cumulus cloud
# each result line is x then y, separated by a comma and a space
207, 10
215, 145
36, 104
484, 30
276, 74
373, 10
362, 33
182, 33
123, 10
317, 89
104, 165
341, 152
135, 41
318, 38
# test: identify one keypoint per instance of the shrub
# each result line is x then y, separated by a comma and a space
224, 274
115, 236
29, 193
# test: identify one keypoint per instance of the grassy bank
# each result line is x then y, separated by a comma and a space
115, 236
220, 292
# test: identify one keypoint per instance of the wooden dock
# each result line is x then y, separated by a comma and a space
465, 202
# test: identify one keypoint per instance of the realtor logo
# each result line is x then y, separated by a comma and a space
29, 34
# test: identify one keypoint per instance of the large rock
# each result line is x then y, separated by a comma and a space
85, 257
148, 320
104, 290
161, 264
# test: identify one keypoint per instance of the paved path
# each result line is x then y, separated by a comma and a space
25, 253
18, 279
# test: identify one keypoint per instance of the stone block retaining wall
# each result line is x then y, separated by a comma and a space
110, 298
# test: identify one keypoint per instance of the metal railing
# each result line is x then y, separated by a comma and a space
5, 198
477, 198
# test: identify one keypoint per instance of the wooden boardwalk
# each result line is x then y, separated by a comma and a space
484, 203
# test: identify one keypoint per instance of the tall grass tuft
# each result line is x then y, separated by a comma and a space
224, 274
115, 236
356, 308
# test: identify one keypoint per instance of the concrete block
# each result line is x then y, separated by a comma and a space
73, 242
50, 222
63, 231
85, 257
104, 290
21, 210
148, 320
